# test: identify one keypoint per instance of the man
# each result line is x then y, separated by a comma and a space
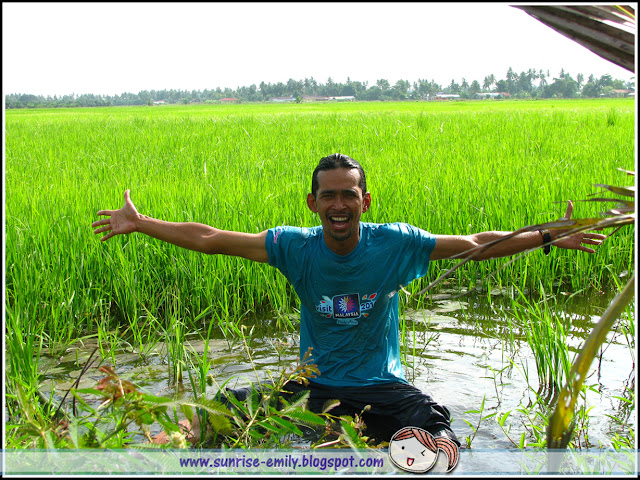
347, 274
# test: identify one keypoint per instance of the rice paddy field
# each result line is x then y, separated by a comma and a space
449, 168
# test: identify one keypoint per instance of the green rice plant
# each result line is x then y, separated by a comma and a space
24, 345
249, 169
481, 417
546, 335
612, 117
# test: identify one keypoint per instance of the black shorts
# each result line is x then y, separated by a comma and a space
393, 406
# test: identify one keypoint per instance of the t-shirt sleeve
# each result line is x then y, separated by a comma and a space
285, 248
416, 246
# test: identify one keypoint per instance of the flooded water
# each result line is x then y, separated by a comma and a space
459, 351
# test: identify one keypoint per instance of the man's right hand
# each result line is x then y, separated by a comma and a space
120, 221
190, 235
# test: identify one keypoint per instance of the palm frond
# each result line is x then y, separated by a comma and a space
591, 26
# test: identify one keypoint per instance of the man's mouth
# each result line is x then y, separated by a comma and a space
339, 221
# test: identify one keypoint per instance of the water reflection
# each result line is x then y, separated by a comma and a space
461, 351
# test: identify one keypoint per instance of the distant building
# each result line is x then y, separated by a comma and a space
283, 99
488, 94
309, 98
344, 98
446, 96
158, 102
227, 100
620, 93
493, 94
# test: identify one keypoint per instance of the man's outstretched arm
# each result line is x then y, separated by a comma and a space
459, 246
189, 235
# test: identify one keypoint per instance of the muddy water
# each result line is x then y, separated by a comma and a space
458, 351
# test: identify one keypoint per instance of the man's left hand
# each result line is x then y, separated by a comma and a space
575, 241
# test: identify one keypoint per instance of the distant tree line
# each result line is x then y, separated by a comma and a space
530, 84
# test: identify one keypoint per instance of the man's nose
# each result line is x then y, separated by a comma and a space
338, 202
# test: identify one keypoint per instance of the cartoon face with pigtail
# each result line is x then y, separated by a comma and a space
415, 450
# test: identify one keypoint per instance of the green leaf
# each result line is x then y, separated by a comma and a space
220, 423
256, 434
146, 418
213, 406
329, 405
305, 416
90, 391
503, 418
73, 433
469, 423
351, 436
154, 399
268, 426
626, 400
298, 400
286, 424
82, 401
168, 425
187, 410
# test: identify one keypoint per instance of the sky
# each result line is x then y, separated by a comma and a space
112, 48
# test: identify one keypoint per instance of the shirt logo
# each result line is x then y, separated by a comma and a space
347, 307
276, 234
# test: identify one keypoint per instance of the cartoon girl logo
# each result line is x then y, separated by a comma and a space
415, 450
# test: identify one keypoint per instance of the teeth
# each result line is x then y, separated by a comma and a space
339, 219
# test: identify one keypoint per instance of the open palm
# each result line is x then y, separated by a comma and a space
575, 241
120, 221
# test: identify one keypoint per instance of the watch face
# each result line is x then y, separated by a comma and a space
546, 240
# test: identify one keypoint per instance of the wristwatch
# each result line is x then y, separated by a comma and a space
546, 241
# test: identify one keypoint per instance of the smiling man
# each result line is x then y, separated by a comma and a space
339, 196
347, 274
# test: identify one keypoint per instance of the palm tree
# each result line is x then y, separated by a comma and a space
488, 81
486, 84
543, 78
383, 84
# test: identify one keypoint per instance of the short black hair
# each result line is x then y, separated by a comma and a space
337, 160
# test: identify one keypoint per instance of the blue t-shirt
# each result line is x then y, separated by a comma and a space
349, 304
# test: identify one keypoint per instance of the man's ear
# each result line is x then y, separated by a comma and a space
366, 202
311, 203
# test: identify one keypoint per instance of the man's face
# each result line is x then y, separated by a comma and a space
340, 203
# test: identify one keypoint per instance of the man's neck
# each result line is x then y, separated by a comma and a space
342, 247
